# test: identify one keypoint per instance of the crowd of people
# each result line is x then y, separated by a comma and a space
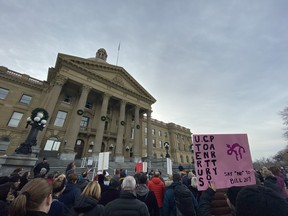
143, 194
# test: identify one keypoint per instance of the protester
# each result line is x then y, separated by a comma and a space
112, 193
71, 168
169, 204
8, 191
280, 180
127, 203
34, 199
206, 207
37, 169
58, 208
157, 186
270, 180
71, 192
83, 180
87, 204
257, 200
23, 180
145, 195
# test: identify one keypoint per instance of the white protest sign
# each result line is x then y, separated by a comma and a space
169, 166
103, 162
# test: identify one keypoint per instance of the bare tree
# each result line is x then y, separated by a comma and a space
284, 115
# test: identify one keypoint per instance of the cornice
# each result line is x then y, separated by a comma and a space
92, 75
22, 79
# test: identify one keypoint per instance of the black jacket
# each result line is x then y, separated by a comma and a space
109, 195
127, 205
149, 198
87, 206
38, 168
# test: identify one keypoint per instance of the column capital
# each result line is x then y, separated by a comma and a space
86, 88
60, 80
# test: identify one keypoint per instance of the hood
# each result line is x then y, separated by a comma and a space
156, 180
142, 190
84, 204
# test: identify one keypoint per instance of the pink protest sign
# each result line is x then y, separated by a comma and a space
224, 159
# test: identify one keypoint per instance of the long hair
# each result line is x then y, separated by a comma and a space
30, 197
93, 189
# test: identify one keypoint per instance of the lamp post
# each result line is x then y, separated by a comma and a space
166, 145
111, 147
37, 120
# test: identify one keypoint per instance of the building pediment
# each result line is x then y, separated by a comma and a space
112, 75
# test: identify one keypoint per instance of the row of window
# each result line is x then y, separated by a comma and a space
159, 132
25, 99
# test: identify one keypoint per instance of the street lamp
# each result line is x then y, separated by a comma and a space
37, 120
192, 148
127, 148
166, 145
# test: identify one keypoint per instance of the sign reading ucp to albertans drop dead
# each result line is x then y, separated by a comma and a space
224, 159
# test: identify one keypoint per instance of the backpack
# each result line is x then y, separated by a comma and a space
184, 201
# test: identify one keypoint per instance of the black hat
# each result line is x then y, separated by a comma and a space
259, 200
232, 193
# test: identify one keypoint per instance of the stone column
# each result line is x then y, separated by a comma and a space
49, 104
149, 135
74, 127
119, 142
136, 150
101, 126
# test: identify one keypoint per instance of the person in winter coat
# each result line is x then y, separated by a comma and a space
71, 192
8, 191
58, 208
169, 204
207, 197
270, 180
44, 164
83, 180
157, 186
145, 195
112, 193
33, 200
127, 203
88, 203
280, 180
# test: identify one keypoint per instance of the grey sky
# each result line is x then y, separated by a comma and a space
213, 66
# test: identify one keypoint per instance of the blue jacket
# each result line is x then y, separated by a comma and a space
169, 205
70, 194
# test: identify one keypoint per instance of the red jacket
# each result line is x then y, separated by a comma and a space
157, 186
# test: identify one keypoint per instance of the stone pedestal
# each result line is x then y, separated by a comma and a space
119, 159
10, 163
67, 156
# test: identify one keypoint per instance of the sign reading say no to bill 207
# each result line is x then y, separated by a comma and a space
224, 159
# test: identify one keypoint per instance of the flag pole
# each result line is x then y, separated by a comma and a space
118, 53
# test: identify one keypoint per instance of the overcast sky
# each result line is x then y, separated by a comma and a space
213, 66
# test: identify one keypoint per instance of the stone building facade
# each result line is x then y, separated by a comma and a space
93, 107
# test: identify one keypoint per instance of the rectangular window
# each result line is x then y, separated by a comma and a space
159, 133
3, 93
146, 141
160, 144
60, 119
154, 143
52, 145
146, 129
67, 99
84, 122
15, 119
166, 134
153, 132
132, 133
26, 99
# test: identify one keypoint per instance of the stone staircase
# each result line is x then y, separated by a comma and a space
81, 164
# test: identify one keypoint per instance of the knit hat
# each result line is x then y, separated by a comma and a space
257, 200
232, 193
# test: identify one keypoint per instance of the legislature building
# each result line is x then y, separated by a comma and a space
93, 107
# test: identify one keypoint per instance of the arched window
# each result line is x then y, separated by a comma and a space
4, 143
181, 158
155, 155
52, 144
187, 159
